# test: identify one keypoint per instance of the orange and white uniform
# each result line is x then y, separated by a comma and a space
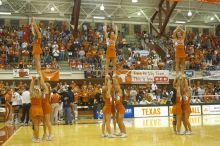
177, 109
111, 52
107, 109
180, 49
36, 108
186, 105
46, 106
37, 50
119, 106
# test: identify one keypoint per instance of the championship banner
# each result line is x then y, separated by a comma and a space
143, 76
51, 74
21, 73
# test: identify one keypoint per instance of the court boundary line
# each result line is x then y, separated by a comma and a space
12, 136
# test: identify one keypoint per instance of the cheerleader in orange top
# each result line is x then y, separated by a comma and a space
111, 50
107, 109
177, 109
36, 111
8, 105
186, 94
120, 108
47, 110
178, 39
37, 50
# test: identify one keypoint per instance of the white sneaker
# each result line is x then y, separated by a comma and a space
35, 140
117, 134
123, 135
104, 135
50, 138
180, 133
188, 132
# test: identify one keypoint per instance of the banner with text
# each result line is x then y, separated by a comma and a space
211, 109
21, 73
195, 110
151, 111
143, 76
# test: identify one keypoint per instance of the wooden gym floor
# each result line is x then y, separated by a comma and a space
141, 132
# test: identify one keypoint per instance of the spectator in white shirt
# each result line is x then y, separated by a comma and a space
154, 87
26, 101
16, 103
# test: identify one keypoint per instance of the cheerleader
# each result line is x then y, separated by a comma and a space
177, 109
107, 109
47, 110
120, 108
37, 50
36, 111
186, 94
111, 50
178, 38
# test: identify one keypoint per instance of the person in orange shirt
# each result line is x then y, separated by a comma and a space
111, 50
47, 110
186, 94
107, 109
37, 50
8, 106
120, 108
55, 100
178, 38
36, 110
177, 109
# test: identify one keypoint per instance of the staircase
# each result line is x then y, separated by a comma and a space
64, 65
160, 51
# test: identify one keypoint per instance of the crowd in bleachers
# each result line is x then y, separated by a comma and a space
203, 50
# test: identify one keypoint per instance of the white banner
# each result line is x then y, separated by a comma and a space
211, 109
21, 73
211, 120
143, 76
154, 111
195, 110
142, 52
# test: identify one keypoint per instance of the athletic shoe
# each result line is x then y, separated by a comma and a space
123, 135
44, 137
117, 134
35, 140
180, 133
104, 135
188, 132
50, 138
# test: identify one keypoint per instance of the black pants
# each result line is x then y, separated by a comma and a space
25, 112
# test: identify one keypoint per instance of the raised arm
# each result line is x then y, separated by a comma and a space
105, 30
32, 85
43, 84
116, 32
36, 28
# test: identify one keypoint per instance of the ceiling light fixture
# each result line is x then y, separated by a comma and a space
180, 22
134, 1
52, 9
0, 2
139, 13
190, 12
5, 13
98, 17
102, 8
212, 18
